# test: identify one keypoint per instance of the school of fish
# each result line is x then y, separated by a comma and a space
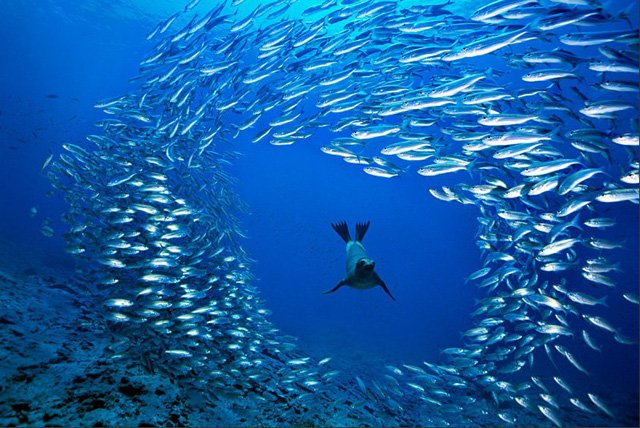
392, 89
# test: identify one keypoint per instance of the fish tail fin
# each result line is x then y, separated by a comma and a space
342, 230
361, 229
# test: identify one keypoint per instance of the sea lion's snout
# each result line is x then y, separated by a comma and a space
366, 265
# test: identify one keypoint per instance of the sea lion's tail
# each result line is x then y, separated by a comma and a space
342, 230
361, 229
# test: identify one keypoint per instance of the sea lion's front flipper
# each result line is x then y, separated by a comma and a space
384, 287
340, 284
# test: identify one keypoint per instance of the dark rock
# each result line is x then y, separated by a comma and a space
160, 392
21, 407
59, 359
47, 417
4, 320
97, 403
22, 377
29, 367
22, 412
84, 397
131, 390
64, 287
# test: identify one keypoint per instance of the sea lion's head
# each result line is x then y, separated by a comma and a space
365, 264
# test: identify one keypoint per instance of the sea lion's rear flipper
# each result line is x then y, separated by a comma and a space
361, 229
342, 230
384, 287
340, 284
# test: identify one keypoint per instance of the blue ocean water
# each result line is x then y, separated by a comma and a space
59, 59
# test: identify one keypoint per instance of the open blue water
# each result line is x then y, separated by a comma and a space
60, 58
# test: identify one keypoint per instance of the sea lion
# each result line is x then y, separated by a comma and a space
360, 273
